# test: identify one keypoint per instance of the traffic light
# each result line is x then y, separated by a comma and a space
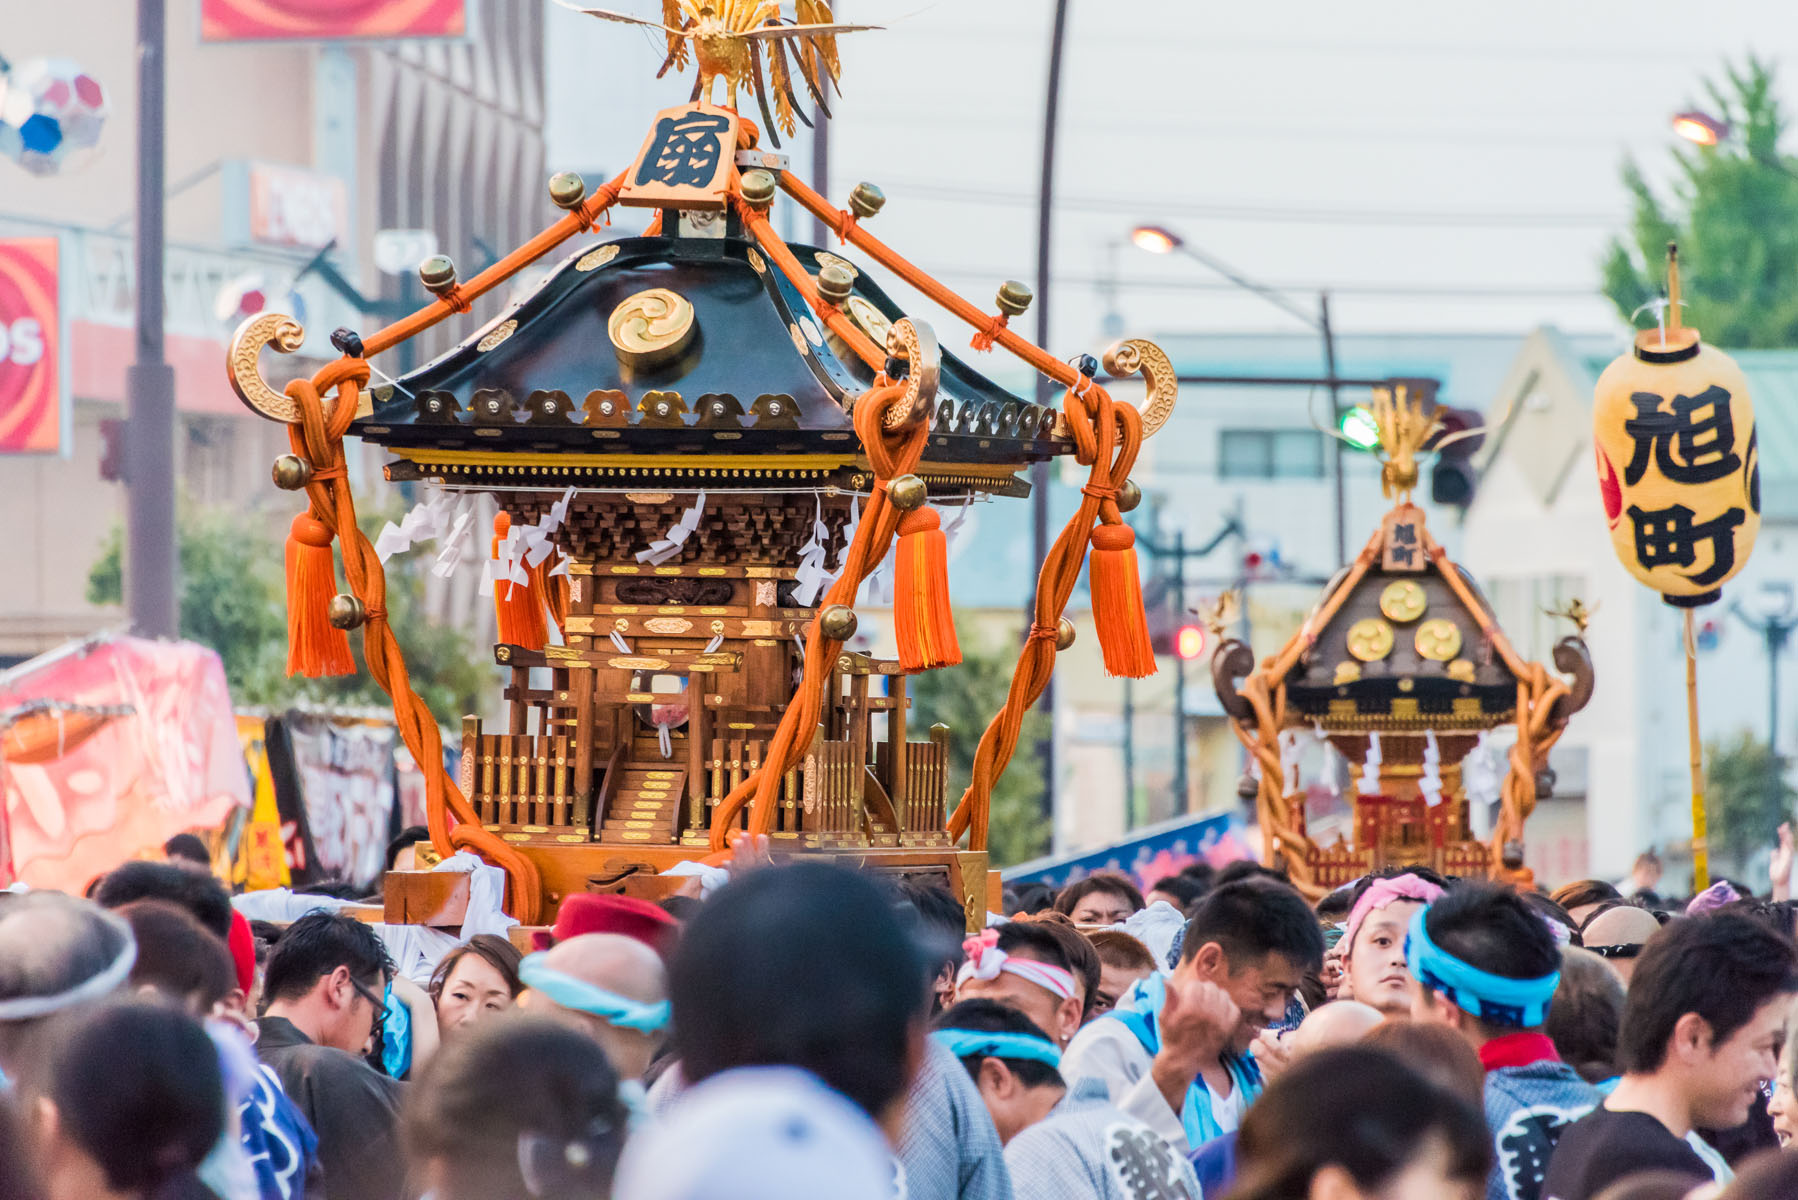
1189, 642
1358, 429
1452, 477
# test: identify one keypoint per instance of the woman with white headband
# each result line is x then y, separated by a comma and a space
1023, 964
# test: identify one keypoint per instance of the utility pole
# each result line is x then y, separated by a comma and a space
1329, 337
151, 563
821, 166
1039, 472
1130, 821
1175, 574
1177, 598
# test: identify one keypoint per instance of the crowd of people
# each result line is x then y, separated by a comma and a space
808, 1031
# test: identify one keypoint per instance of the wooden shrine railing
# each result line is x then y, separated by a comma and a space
518, 778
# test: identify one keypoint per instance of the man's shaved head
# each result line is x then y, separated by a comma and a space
1335, 1024
621, 965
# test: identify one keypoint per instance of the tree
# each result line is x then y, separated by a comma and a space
1746, 797
234, 600
966, 698
1733, 212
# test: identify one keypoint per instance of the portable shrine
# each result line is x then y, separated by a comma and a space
701, 441
1401, 668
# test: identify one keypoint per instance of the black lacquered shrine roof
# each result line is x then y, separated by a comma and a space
760, 376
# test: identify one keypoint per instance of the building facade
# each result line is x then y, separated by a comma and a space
272, 151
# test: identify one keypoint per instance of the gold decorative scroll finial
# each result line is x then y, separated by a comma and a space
1574, 610
243, 367
1137, 355
729, 38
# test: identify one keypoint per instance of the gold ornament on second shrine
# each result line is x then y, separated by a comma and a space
1678, 463
1403, 601
1438, 640
1370, 640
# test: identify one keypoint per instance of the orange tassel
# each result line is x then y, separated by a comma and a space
315, 647
1117, 604
923, 621
517, 607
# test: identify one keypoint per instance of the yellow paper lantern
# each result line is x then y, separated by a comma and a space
1678, 466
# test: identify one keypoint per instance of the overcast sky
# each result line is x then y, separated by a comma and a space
1437, 166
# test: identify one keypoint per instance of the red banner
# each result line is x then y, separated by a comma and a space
31, 378
172, 764
330, 20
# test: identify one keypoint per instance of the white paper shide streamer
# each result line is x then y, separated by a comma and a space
1430, 782
1370, 768
669, 544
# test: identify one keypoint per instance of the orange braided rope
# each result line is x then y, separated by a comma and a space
319, 438
890, 458
1097, 424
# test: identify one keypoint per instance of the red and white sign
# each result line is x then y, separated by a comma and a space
330, 20
291, 206
33, 392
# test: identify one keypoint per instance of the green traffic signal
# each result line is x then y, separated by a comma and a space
1359, 429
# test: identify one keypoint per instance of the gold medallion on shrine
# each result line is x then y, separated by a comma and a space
1403, 601
1370, 640
1439, 640
651, 327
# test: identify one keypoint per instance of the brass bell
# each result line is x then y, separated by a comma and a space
758, 188
1064, 634
835, 284
291, 472
866, 200
837, 622
908, 492
567, 189
346, 612
1129, 495
437, 273
1014, 298
1247, 786
1512, 855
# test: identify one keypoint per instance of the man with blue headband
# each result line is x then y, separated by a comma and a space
1485, 964
1059, 1145
610, 986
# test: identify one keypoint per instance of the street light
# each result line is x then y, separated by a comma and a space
1700, 128
1156, 239
1159, 239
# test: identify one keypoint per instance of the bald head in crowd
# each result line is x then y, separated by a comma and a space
55, 952
1335, 1024
1617, 936
617, 964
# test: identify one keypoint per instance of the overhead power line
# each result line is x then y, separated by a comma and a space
1250, 211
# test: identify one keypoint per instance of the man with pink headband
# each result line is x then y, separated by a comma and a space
1373, 938
1022, 964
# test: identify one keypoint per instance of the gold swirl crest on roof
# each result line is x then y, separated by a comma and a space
650, 327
